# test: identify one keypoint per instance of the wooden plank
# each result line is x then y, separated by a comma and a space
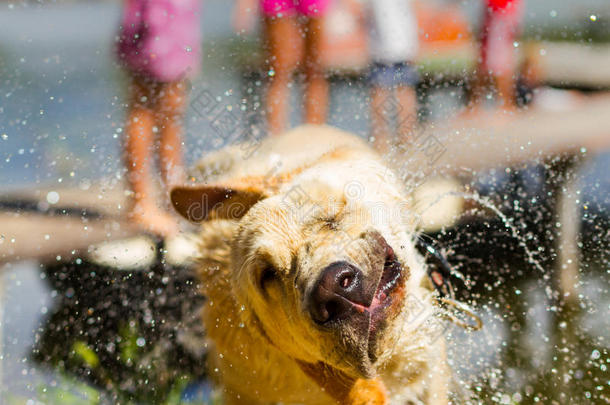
482, 143
104, 197
27, 235
571, 64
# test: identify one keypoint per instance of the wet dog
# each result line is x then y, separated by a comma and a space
314, 286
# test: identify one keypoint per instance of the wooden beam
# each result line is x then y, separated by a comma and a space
485, 142
104, 198
571, 64
33, 236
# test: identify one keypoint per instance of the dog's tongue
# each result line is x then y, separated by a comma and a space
377, 300
378, 297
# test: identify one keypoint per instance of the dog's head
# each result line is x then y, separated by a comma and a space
321, 262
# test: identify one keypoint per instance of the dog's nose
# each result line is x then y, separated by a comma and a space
339, 286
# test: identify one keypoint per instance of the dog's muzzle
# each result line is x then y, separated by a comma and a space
355, 303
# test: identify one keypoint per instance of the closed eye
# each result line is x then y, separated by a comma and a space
268, 275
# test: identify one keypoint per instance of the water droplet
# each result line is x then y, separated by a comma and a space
52, 197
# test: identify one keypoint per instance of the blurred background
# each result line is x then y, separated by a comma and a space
531, 232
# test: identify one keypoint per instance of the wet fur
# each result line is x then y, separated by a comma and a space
262, 346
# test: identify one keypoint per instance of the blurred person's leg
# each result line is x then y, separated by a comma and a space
139, 144
498, 61
393, 103
139, 141
407, 99
406, 78
384, 107
284, 43
316, 90
506, 90
505, 64
380, 118
171, 103
479, 86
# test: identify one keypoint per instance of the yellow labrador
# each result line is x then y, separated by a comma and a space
315, 291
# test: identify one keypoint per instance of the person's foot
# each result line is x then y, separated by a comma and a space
150, 218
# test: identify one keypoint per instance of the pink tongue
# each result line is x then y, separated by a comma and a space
377, 301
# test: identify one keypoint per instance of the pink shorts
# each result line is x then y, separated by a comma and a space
161, 39
308, 8
500, 29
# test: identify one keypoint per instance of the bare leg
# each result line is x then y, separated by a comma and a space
316, 92
171, 103
380, 128
479, 87
506, 91
407, 99
284, 48
139, 141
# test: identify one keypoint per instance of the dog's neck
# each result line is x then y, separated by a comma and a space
344, 388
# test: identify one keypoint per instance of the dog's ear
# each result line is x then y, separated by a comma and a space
200, 202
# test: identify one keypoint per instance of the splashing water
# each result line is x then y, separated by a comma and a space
508, 223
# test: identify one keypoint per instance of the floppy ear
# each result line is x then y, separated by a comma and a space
200, 202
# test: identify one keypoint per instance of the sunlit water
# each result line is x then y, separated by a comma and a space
61, 122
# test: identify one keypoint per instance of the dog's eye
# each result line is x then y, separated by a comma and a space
267, 275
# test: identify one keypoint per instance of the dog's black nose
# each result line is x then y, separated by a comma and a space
339, 286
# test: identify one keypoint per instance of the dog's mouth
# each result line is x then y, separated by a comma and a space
386, 300
388, 295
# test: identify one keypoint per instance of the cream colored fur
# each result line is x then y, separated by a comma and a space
257, 337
